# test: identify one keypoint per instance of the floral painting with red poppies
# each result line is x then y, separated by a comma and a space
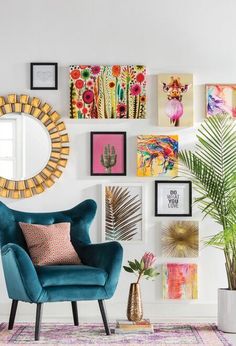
107, 92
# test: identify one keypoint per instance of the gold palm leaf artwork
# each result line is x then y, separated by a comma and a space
180, 239
123, 213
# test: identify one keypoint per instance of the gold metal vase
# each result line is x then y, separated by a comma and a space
134, 308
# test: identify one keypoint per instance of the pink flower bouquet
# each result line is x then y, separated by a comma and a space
144, 267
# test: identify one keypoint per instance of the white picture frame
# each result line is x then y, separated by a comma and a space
134, 189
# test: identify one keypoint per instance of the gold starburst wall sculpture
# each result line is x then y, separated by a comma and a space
180, 239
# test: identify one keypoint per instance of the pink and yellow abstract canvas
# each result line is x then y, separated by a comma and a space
221, 99
180, 281
107, 92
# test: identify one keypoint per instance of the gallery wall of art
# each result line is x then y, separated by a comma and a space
127, 33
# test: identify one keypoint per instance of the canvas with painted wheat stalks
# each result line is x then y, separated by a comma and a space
107, 92
180, 281
180, 239
123, 212
157, 155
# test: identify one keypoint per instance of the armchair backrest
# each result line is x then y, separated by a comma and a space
80, 218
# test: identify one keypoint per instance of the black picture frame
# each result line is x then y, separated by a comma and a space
157, 201
94, 133
54, 64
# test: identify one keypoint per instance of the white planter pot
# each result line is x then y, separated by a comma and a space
227, 310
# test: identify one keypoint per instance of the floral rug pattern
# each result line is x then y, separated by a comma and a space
93, 334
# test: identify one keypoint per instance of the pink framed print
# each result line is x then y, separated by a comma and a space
108, 153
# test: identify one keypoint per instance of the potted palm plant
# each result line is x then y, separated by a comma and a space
212, 167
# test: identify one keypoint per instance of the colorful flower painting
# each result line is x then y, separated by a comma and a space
180, 281
157, 155
221, 99
175, 100
107, 92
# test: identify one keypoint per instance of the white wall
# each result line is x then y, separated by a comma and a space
167, 36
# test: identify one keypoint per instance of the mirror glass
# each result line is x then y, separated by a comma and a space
25, 146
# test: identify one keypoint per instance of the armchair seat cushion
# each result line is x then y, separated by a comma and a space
71, 275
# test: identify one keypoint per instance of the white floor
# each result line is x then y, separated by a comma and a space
231, 338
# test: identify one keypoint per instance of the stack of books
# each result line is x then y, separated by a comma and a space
129, 327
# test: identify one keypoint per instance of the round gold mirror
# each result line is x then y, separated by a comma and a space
33, 146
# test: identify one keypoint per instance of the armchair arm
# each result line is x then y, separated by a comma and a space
20, 274
107, 256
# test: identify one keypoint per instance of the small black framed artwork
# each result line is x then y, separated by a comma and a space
43, 76
173, 198
108, 153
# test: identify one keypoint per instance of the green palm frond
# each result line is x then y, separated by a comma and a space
122, 213
223, 239
212, 167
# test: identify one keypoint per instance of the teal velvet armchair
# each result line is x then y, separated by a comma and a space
95, 279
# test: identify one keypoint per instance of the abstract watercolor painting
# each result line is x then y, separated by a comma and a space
157, 155
221, 99
180, 281
180, 238
123, 212
108, 153
107, 92
175, 100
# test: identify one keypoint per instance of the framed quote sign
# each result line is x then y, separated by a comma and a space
173, 198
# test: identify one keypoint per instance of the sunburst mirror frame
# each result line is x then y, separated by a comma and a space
59, 146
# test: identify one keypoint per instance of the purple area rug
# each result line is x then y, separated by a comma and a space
93, 334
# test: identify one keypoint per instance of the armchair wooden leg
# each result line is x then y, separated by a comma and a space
104, 316
38, 321
12, 314
75, 313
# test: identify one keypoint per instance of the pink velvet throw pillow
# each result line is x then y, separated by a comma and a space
49, 245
